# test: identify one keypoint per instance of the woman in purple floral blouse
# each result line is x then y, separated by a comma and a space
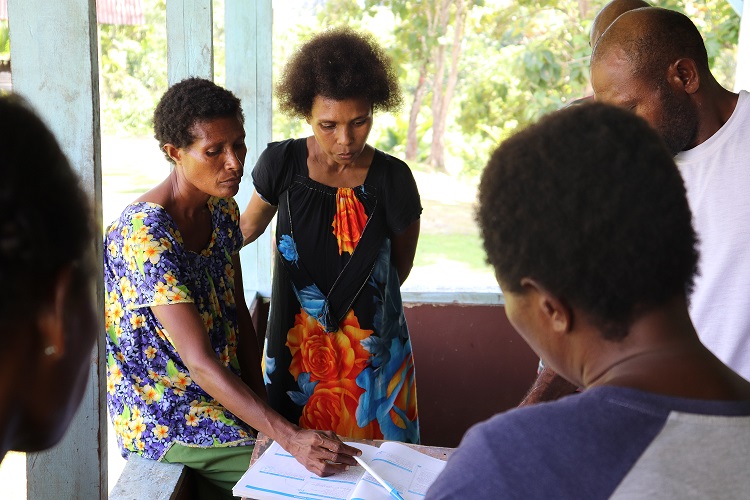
183, 369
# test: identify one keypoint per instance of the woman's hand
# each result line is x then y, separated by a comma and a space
321, 452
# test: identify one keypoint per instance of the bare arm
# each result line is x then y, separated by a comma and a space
248, 353
256, 217
316, 450
403, 249
548, 387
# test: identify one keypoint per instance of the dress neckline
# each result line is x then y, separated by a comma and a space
306, 170
178, 235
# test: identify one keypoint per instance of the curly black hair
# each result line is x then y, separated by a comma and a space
338, 64
187, 102
588, 202
652, 38
45, 218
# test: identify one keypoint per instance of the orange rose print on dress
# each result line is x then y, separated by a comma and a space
349, 221
406, 398
333, 405
327, 356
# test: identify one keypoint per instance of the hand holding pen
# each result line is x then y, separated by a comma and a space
390, 489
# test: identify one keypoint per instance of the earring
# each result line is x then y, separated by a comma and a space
49, 350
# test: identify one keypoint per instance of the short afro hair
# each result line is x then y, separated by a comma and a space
190, 101
338, 64
589, 203
45, 220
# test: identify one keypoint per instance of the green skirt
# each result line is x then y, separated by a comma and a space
217, 469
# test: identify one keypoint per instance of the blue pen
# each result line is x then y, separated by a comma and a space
390, 489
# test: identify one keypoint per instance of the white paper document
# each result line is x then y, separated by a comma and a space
278, 475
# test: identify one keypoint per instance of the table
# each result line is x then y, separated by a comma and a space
263, 442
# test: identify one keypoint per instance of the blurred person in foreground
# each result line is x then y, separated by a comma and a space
585, 220
338, 354
184, 381
47, 297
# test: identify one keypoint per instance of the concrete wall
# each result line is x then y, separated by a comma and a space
470, 365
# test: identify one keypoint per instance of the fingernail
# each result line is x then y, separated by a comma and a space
346, 468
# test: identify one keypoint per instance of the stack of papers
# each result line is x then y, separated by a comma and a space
278, 475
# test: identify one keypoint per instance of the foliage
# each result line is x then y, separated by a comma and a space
720, 26
287, 36
133, 71
220, 52
531, 57
520, 59
4, 40
328, 14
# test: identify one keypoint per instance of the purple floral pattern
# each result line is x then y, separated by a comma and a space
152, 400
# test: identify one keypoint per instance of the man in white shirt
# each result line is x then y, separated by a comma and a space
653, 61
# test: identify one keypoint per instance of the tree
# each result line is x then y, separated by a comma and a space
485, 67
4, 39
436, 51
531, 57
429, 39
133, 71
443, 87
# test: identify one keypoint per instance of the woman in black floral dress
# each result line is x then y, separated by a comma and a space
337, 354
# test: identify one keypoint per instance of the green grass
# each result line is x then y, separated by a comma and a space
435, 248
129, 182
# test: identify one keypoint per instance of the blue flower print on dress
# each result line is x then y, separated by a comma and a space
315, 304
389, 308
288, 248
378, 349
268, 365
377, 402
389, 318
312, 300
306, 389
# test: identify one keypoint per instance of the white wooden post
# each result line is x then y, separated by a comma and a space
190, 49
55, 67
249, 68
742, 72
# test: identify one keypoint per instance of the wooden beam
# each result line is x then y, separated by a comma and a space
148, 479
190, 49
55, 67
249, 68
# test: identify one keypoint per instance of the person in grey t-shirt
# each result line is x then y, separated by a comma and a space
585, 220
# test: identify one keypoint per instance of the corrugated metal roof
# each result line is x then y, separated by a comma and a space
107, 11
119, 12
